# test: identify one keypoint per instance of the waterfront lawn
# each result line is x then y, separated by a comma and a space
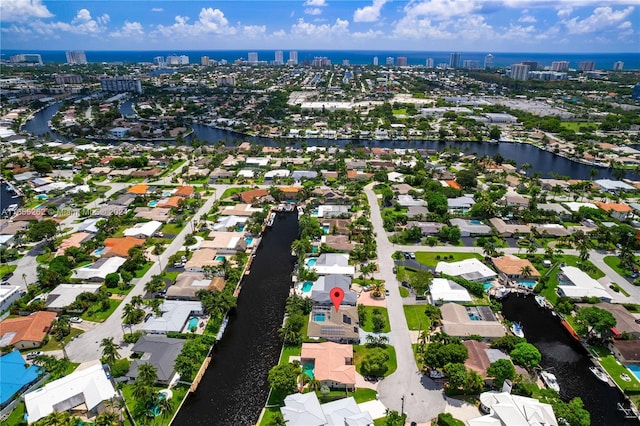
367, 324
359, 352
5, 269
179, 392
416, 318
432, 258
289, 351
270, 415
101, 316
615, 369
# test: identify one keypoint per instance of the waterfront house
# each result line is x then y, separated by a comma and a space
65, 294
329, 211
332, 364
461, 321
626, 351
625, 321
229, 223
469, 269
340, 327
576, 284
239, 210
175, 314
331, 264
304, 409
119, 246
515, 268
507, 228
188, 284
26, 332
225, 242
159, 351
202, 258
443, 290
143, 230
337, 226
469, 228
337, 242
507, 409
99, 270
481, 356
82, 393
321, 288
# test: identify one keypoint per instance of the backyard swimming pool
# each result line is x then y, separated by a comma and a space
308, 370
475, 222
306, 286
220, 258
318, 317
153, 203
249, 240
528, 283
98, 251
311, 262
193, 322
635, 369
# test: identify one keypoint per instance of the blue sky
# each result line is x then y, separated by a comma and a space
428, 25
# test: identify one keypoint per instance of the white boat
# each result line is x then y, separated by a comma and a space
549, 379
542, 302
601, 375
516, 329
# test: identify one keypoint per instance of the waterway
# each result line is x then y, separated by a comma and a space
541, 161
567, 359
234, 388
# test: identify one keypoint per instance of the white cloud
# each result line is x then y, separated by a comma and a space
313, 11
527, 19
316, 3
210, 22
369, 13
23, 10
441, 9
129, 29
157, 9
254, 31
602, 18
325, 31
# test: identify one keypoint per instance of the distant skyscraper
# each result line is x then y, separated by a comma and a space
560, 66
375, 61
177, 60
204, 61
402, 61
252, 57
293, 57
586, 66
321, 61
159, 61
429, 63
519, 72
389, 61
279, 58
618, 66
454, 60
488, 61
120, 84
76, 57
26, 58
470, 64
226, 80
533, 65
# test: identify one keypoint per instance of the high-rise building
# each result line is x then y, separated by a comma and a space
618, 66
519, 72
120, 84
177, 60
204, 61
226, 80
586, 66
375, 61
159, 61
279, 58
429, 63
560, 66
26, 58
470, 64
533, 65
252, 57
321, 61
454, 60
76, 57
389, 61
293, 57
489, 61
401, 61
635, 92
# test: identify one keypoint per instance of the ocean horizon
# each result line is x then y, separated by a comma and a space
603, 61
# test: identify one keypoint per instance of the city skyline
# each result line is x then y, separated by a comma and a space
465, 25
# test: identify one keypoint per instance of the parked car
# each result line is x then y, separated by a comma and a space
75, 320
32, 355
386, 292
412, 255
421, 297
405, 284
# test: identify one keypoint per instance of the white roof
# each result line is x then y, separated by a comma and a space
579, 284
88, 386
395, 177
305, 410
174, 316
613, 185
226, 222
470, 269
246, 173
574, 206
66, 294
507, 409
333, 263
259, 161
99, 269
145, 228
448, 291
89, 225
277, 173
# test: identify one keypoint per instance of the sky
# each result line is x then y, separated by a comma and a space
425, 25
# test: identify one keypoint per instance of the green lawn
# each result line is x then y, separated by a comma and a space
575, 125
367, 324
359, 352
417, 356
17, 416
432, 259
416, 318
171, 228
269, 417
289, 351
140, 272
403, 292
615, 369
230, 192
614, 263
53, 345
101, 316
179, 393
5, 269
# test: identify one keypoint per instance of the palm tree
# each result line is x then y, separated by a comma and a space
136, 301
526, 271
109, 350
489, 249
107, 419
147, 373
300, 247
377, 288
61, 328
165, 405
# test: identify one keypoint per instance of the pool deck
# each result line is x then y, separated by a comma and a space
366, 298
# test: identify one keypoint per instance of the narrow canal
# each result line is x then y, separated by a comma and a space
234, 388
567, 359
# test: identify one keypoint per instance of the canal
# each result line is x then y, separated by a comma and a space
567, 359
234, 388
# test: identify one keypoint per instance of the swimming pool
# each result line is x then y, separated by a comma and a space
153, 203
167, 194
310, 262
635, 369
473, 317
249, 240
98, 251
318, 317
193, 322
325, 229
487, 286
308, 370
306, 286
220, 258
475, 222
528, 283
314, 212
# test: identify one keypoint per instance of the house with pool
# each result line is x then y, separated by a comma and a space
144, 229
330, 363
331, 264
321, 288
177, 315
340, 327
469, 269
159, 351
518, 271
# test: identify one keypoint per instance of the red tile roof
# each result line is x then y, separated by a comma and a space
32, 328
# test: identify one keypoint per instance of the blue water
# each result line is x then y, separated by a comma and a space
318, 317
487, 286
528, 283
325, 229
473, 317
153, 203
635, 369
602, 60
193, 322
249, 240
306, 286
98, 251
475, 222
220, 258
311, 262
308, 370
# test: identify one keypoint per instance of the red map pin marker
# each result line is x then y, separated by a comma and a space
336, 294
